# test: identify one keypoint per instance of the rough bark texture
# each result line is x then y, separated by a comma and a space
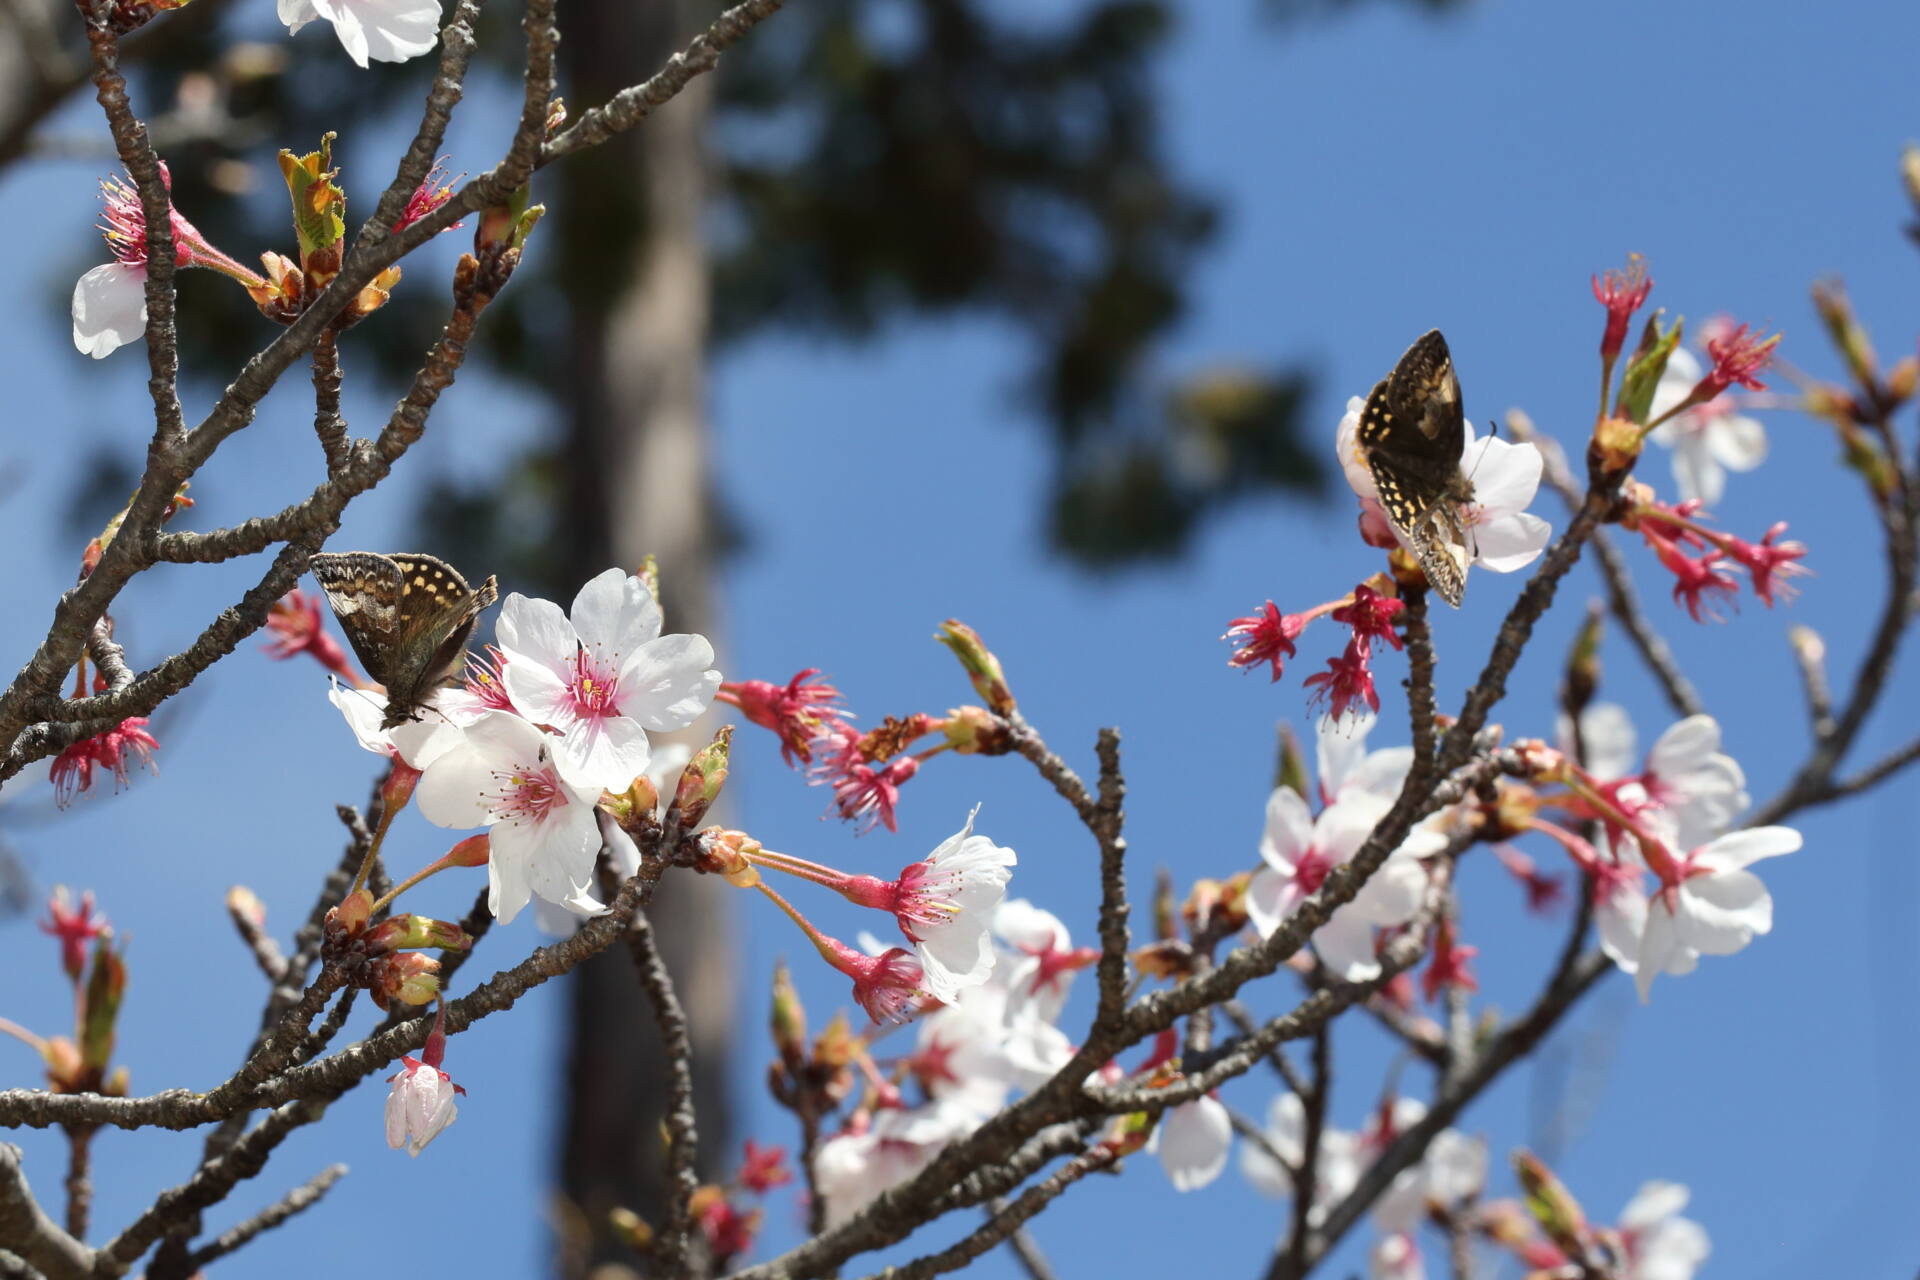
638, 483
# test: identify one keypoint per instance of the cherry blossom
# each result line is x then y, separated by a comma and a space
545, 840
945, 903
1286, 1133
1715, 908
1693, 788
418, 742
1044, 958
383, 30
1708, 440
853, 1167
1300, 850
421, 1102
559, 921
1193, 1141
1658, 1243
962, 1055
603, 677
1502, 535
110, 301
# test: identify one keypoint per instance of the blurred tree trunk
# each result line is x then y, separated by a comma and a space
636, 482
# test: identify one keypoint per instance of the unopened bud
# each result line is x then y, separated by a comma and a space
244, 904
1551, 1204
703, 778
1291, 770
1582, 676
556, 117
353, 912
474, 851
1836, 312
416, 931
789, 1019
837, 1045
1644, 368
319, 210
1902, 380
105, 985
410, 977
1166, 920
1129, 1133
982, 668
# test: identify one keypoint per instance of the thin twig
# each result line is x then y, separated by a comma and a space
1026, 1250
677, 1045
302, 1197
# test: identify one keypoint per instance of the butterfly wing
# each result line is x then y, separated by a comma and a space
1413, 432
437, 615
364, 592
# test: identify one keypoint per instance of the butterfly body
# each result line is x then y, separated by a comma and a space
1412, 434
408, 617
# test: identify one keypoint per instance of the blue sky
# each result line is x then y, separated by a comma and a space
1383, 174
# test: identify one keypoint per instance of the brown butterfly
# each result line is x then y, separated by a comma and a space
409, 617
1412, 435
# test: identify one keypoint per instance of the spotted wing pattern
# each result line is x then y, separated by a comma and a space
1412, 434
408, 616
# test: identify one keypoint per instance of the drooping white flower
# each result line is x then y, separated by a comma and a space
1343, 763
1707, 440
1193, 1141
544, 836
605, 677
1502, 535
1658, 1242
109, 308
1716, 908
1043, 961
420, 1105
1301, 850
383, 30
945, 904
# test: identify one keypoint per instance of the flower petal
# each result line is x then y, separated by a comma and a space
109, 308
614, 614
1289, 831
667, 683
1508, 543
1505, 474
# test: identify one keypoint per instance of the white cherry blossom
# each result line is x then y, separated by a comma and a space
383, 30
544, 836
1698, 789
604, 677
1502, 535
1707, 440
1660, 1244
1193, 1141
1043, 960
1300, 850
1716, 908
945, 905
418, 742
1286, 1133
850, 1169
420, 1105
1396, 1257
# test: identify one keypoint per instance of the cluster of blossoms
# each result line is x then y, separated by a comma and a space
1671, 531
1502, 536
1672, 819
970, 1055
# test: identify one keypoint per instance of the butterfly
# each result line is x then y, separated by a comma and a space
409, 617
1412, 435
